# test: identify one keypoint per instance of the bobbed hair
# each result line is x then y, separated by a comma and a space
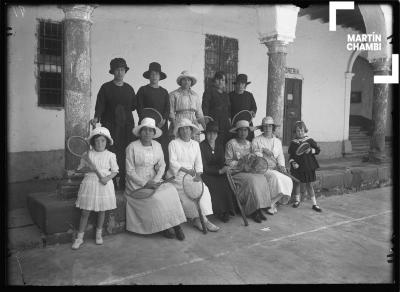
301, 125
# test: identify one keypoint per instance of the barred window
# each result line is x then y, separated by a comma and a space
50, 63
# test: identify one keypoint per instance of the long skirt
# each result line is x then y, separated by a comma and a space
279, 184
189, 206
221, 193
253, 191
161, 211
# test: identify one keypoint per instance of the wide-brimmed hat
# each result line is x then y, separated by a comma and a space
241, 124
241, 78
101, 131
268, 120
185, 123
211, 127
118, 63
150, 123
154, 66
186, 74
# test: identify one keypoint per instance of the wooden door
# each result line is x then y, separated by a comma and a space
292, 107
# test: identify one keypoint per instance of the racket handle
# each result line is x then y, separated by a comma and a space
203, 224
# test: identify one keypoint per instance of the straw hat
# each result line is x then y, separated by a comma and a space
241, 124
186, 74
268, 120
185, 123
150, 123
103, 132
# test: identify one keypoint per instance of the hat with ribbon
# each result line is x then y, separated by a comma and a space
268, 120
186, 74
118, 63
154, 66
103, 132
150, 123
241, 124
185, 123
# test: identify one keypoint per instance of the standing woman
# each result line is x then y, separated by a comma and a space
241, 99
216, 105
184, 102
154, 96
270, 147
114, 105
161, 212
214, 175
185, 157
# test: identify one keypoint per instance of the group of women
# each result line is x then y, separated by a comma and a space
161, 153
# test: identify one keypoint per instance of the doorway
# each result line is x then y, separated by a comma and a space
292, 107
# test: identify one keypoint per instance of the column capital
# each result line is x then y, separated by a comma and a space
381, 64
81, 12
276, 46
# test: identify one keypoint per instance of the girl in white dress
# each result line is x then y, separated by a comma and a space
185, 157
270, 147
145, 165
96, 194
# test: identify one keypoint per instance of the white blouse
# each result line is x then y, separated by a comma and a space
185, 105
273, 144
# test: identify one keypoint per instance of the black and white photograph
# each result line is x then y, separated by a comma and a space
201, 144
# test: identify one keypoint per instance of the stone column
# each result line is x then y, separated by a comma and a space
347, 94
277, 51
376, 153
76, 75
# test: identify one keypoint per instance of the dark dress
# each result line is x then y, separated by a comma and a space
221, 193
114, 106
157, 98
244, 101
217, 106
307, 161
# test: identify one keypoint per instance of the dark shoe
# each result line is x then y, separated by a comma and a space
296, 204
179, 232
256, 217
316, 208
168, 233
262, 215
224, 217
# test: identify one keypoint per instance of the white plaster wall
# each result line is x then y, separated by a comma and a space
321, 56
30, 128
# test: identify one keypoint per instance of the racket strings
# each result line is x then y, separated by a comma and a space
77, 145
193, 189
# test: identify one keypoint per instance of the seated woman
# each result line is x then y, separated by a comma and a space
253, 190
214, 176
185, 157
144, 167
270, 147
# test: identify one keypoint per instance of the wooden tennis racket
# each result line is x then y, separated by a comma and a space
208, 119
303, 148
194, 189
235, 192
242, 115
79, 147
285, 173
140, 194
149, 112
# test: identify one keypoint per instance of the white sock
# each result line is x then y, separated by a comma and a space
297, 198
98, 231
314, 201
80, 235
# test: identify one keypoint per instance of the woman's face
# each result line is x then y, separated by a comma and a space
146, 134
240, 87
154, 77
220, 83
300, 132
185, 133
119, 74
100, 143
186, 83
211, 136
268, 130
242, 133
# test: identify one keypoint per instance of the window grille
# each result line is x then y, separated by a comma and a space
50, 63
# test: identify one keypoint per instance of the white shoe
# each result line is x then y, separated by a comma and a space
77, 243
99, 239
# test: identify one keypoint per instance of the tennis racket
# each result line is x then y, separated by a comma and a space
235, 192
302, 148
208, 119
141, 194
285, 173
149, 112
242, 115
79, 147
194, 189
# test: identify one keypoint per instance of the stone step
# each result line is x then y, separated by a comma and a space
364, 141
358, 134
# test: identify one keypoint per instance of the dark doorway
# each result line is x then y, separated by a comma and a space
292, 109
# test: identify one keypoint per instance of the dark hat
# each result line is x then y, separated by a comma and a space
211, 127
154, 66
241, 78
117, 63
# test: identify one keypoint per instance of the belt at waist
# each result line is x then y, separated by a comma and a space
186, 110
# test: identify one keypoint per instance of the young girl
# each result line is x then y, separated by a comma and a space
303, 166
96, 194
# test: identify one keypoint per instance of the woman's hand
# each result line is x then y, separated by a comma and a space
192, 172
281, 168
295, 165
104, 180
197, 177
267, 152
223, 170
151, 185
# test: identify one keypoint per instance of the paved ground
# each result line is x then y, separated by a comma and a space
347, 243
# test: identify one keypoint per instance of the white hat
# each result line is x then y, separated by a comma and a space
268, 120
147, 122
185, 123
101, 131
241, 124
186, 74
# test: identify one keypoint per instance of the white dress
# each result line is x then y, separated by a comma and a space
187, 155
185, 105
93, 195
163, 209
279, 183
